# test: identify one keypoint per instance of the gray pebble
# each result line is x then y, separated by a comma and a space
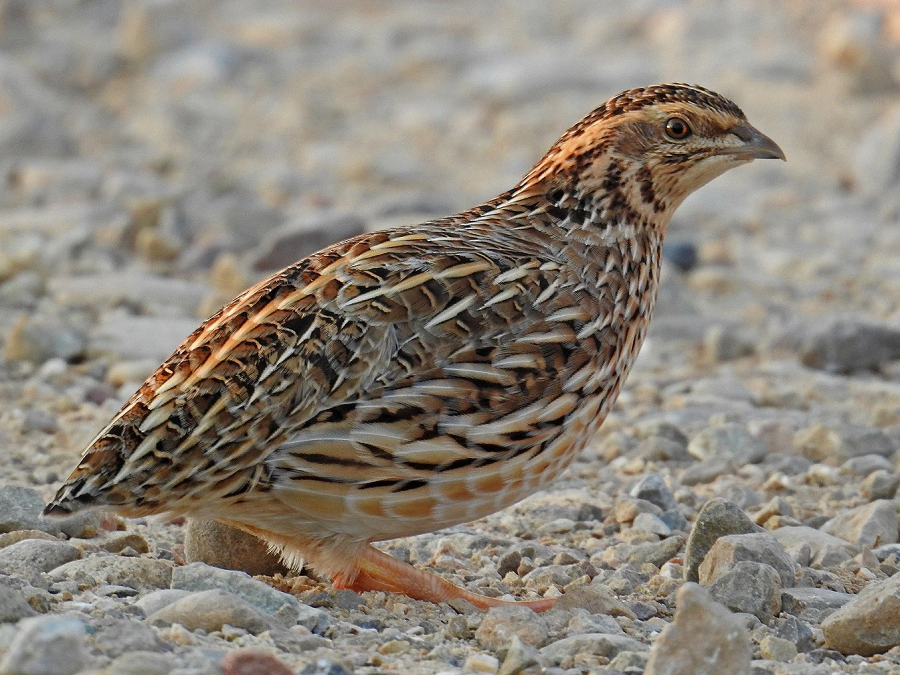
324, 667
867, 526
143, 663
651, 524
137, 573
759, 547
820, 543
750, 587
20, 509
48, 645
500, 624
653, 488
39, 337
156, 600
869, 623
717, 518
731, 441
602, 644
115, 637
630, 662
866, 464
210, 610
291, 242
703, 639
31, 557
880, 485
14, 605
837, 444
796, 631
219, 545
847, 345
519, 656
283, 608
708, 470
812, 604
656, 553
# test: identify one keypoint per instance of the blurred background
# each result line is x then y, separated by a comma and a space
159, 156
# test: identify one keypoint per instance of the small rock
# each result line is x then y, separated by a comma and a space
682, 254
501, 624
83, 525
867, 526
717, 518
143, 663
313, 619
653, 488
777, 649
13, 606
519, 656
731, 441
823, 548
708, 470
868, 623
40, 337
210, 610
777, 506
598, 644
846, 345
219, 545
838, 444
137, 573
628, 508
703, 639
20, 509
394, 647
324, 667
481, 663
156, 600
30, 557
651, 524
630, 662
749, 587
39, 420
251, 662
298, 640
656, 553
759, 547
866, 464
289, 243
880, 485
595, 598
283, 607
46, 645
132, 540
725, 343
812, 604
115, 637
796, 631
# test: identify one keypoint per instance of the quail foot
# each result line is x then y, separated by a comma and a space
414, 378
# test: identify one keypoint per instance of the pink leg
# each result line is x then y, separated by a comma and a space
380, 572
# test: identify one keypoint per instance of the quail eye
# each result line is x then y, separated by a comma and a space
677, 129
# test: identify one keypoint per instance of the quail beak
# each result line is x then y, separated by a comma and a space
756, 145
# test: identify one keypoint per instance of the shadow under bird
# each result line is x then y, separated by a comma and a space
418, 377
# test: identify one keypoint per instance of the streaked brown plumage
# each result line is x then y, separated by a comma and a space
415, 378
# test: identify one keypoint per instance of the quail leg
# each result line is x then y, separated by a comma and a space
380, 572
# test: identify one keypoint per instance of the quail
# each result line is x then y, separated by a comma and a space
410, 379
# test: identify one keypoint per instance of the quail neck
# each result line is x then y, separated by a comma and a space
423, 376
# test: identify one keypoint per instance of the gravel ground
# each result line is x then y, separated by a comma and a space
158, 156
